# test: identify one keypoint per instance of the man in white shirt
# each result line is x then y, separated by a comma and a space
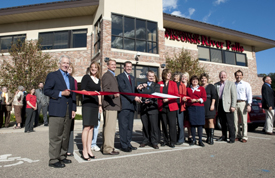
243, 106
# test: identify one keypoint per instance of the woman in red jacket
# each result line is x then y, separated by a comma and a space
168, 109
196, 108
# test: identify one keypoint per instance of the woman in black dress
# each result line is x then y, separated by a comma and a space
91, 105
209, 105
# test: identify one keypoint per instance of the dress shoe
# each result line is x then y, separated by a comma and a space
231, 142
269, 133
32, 131
190, 140
93, 157
133, 148
179, 143
155, 146
57, 165
66, 161
163, 144
45, 125
142, 145
244, 141
112, 153
221, 139
126, 149
192, 143
201, 144
70, 154
172, 145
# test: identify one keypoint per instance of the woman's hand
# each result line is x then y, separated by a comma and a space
100, 109
193, 100
184, 99
165, 100
212, 107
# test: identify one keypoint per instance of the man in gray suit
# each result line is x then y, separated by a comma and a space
227, 104
111, 104
42, 104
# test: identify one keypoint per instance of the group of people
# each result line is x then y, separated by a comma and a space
197, 105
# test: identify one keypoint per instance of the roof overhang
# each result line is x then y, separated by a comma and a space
188, 25
52, 10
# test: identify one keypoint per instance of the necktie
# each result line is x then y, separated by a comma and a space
129, 79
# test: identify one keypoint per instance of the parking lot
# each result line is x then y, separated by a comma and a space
26, 155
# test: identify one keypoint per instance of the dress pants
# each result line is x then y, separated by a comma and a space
71, 139
7, 116
169, 118
125, 122
95, 134
150, 128
269, 119
180, 117
30, 112
242, 113
59, 129
227, 120
109, 131
44, 112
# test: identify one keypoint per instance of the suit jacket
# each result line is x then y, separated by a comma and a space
10, 100
109, 83
267, 97
152, 107
172, 89
41, 98
58, 105
229, 96
127, 102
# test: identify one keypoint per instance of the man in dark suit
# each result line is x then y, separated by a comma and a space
126, 83
268, 104
62, 107
149, 112
111, 105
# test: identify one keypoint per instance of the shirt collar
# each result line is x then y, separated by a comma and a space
112, 72
268, 84
64, 73
240, 82
149, 83
195, 87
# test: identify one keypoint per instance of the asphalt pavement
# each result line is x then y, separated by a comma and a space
26, 155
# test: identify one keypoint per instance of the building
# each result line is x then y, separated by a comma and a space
88, 30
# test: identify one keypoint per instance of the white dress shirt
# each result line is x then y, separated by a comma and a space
244, 91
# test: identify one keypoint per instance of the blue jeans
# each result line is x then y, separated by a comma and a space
180, 116
96, 132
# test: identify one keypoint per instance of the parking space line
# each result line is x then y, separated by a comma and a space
260, 138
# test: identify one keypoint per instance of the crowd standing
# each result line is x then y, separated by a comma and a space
198, 104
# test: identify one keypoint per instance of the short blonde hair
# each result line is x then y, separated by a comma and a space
186, 74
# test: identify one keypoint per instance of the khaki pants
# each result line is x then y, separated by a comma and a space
109, 130
269, 119
59, 130
241, 112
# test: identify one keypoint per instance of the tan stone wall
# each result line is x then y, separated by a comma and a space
213, 69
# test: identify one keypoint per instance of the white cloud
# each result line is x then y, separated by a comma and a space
190, 12
169, 4
217, 2
205, 18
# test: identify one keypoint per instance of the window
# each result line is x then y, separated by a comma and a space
134, 34
221, 56
7, 41
63, 39
97, 32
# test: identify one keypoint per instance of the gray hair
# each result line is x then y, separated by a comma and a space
64, 56
222, 72
20, 88
4, 88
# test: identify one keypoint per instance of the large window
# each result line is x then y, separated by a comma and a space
221, 56
63, 39
7, 41
134, 34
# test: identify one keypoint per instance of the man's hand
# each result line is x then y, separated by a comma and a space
65, 93
232, 109
137, 99
100, 109
248, 108
165, 100
116, 95
270, 108
73, 114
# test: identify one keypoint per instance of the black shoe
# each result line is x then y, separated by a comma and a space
190, 140
86, 159
32, 131
45, 124
66, 161
231, 142
163, 144
172, 145
211, 133
155, 146
57, 165
126, 149
93, 157
221, 139
192, 143
179, 143
201, 144
133, 148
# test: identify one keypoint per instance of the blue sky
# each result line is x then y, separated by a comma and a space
250, 16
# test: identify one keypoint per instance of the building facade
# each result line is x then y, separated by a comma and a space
135, 30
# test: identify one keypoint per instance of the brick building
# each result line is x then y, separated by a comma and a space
88, 30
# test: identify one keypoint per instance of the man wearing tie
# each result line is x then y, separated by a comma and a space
149, 112
126, 83
62, 107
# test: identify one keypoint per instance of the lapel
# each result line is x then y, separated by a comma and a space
59, 74
71, 79
112, 76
